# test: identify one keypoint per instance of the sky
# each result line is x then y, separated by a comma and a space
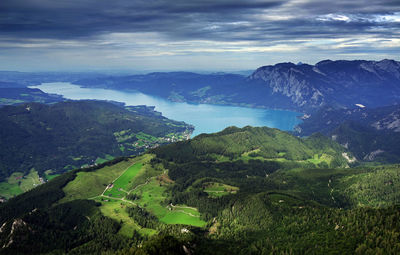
193, 35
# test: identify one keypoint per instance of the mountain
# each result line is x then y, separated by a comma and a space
239, 191
370, 134
299, 87
39, 139
335, 83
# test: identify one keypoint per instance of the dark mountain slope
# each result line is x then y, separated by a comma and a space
371, 134
70, 134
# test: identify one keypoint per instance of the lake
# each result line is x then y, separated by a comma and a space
205, 117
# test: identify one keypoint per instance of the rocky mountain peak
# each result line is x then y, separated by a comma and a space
340, 83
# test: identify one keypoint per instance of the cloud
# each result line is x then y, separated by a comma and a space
182, 27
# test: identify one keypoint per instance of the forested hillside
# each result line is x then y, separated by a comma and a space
240, 191
12, 96
51, 139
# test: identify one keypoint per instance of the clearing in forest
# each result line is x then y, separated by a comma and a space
216, 189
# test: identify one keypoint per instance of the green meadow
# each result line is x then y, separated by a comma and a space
17, 184
152, 196
116, 210
91, 184
123, 183
106, 158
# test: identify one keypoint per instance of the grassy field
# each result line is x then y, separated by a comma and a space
151, 197
146, 137
17, 184
215, 189
123, 183
102, 160
136, 176
8, 190
177, 217
91, 184
30, 181
49, 175
317, 159
116, 210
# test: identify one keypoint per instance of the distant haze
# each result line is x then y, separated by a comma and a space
218, 35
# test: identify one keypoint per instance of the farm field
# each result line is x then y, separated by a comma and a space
17, 184
123, 183
91, 184
30, 181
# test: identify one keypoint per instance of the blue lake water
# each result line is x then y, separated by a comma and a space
205, 117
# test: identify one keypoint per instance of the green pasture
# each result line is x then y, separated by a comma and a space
116, 210
177, 217
17, 183
317, 159
152, 196
30, 181
8, 190
143, 136
123, 183
91, 184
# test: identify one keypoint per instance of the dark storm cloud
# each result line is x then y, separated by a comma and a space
59, 19
223, 20
184, 34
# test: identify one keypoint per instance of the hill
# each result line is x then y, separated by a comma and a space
44, 140
12, 96
211, 195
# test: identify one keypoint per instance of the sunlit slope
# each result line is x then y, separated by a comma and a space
258, 143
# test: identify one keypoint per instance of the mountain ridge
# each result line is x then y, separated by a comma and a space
327, 81
301, 87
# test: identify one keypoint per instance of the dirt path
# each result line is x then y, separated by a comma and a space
187, 207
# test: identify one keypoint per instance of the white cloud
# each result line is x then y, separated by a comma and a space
334, 17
